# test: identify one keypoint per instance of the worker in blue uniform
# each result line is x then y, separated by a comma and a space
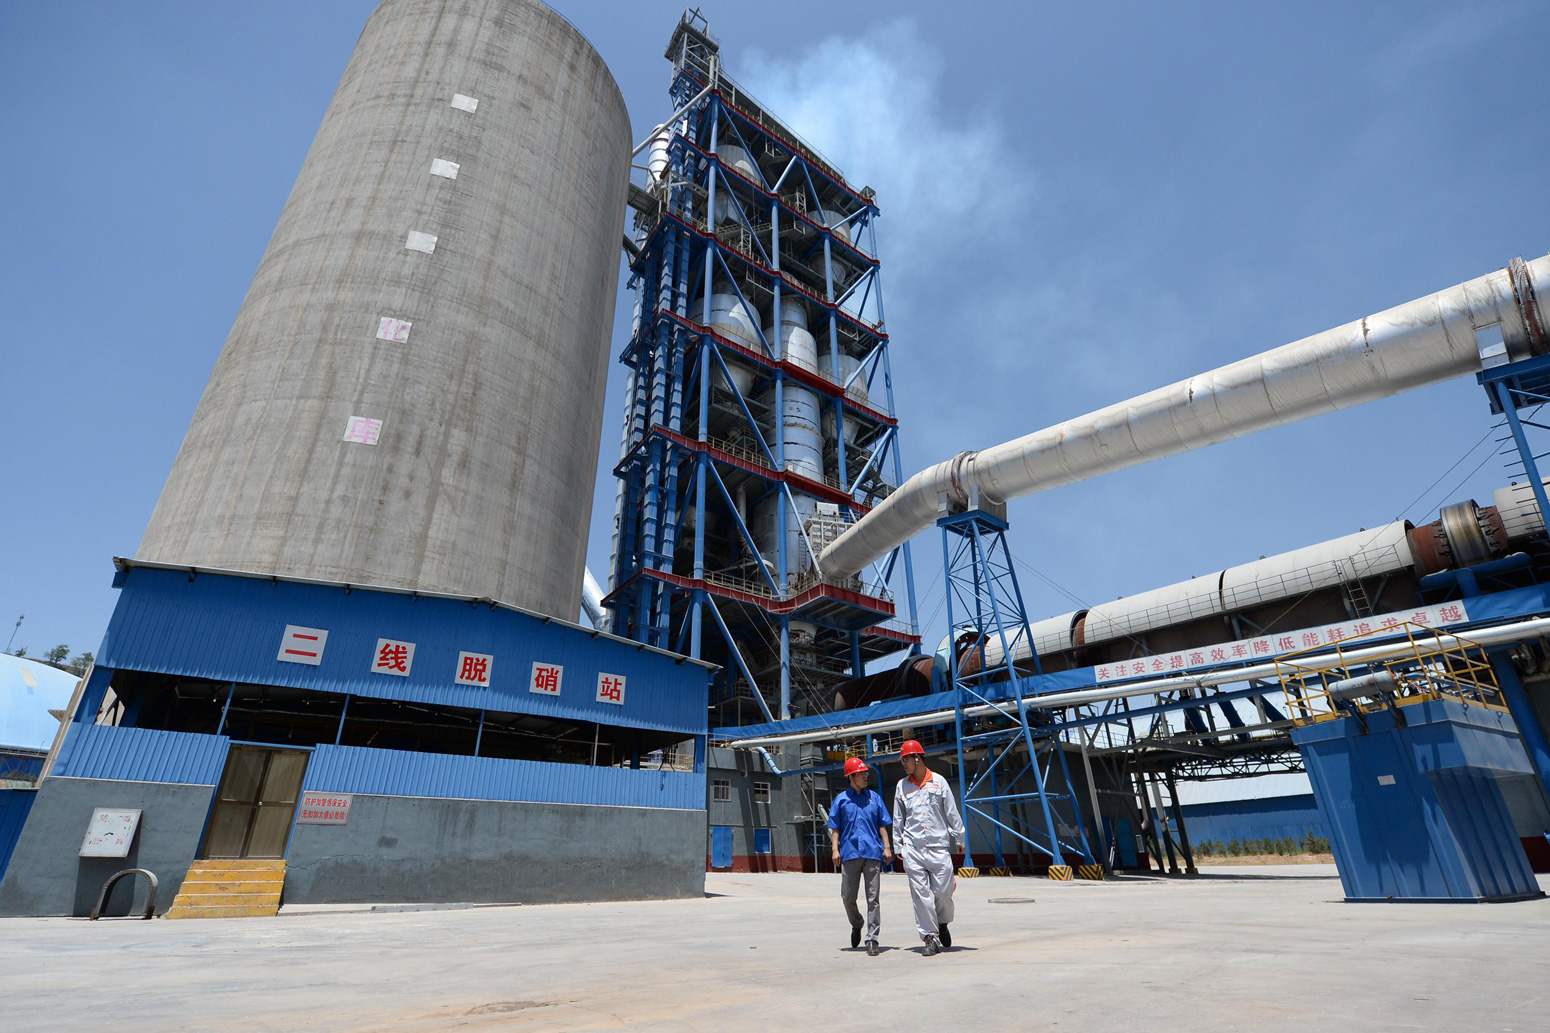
858, 837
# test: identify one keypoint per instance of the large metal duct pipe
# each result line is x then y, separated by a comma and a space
1413, 345
411, 395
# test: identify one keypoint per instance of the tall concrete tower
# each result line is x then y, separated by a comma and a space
411, 395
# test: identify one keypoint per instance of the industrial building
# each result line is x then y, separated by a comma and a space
343, 666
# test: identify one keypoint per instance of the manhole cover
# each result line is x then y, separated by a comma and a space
1011, 900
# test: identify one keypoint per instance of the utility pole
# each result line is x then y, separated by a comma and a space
13, 632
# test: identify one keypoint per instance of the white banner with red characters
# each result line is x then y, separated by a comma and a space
546, 678
610, 688
323, 808
474, 669
1264, 647
393, 657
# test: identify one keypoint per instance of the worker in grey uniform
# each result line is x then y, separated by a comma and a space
926, 828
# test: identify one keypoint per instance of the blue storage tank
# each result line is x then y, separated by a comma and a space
1413, 806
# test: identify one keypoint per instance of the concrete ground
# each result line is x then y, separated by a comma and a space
1260, 948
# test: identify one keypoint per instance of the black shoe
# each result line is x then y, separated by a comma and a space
933, 946
871, 949
855, 936
945, 936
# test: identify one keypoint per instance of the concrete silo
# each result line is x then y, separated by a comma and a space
411, 393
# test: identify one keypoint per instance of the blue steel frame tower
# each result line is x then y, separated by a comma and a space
759, 412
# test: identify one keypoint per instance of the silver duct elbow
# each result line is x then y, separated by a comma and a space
1422, 342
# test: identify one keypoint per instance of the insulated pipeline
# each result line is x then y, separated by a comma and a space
1422, 342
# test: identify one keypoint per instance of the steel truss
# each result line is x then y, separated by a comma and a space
705, 443
985, 605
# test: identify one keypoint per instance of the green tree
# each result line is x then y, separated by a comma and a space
20, 651
83, 660
57, 654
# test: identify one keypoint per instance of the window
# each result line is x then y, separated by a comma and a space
761, 792
721, 790
761, 841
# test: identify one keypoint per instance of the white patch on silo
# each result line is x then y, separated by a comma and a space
444, 168
418, 241
395, 330
463, 103
362, 430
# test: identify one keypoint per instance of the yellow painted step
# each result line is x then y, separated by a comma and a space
232, 886
225, 911
222, 899
235, 864
233, 875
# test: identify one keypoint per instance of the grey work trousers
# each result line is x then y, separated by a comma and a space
851, 874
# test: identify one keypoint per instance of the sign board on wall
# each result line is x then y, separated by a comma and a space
323, 809
1266, 647
111, 832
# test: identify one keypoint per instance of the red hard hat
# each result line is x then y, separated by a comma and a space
911, 747
854, 766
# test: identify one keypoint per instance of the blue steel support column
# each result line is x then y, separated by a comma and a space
898, 462
1523, 714
785, 667
952, 672
1530, 468
995, 810
1056, 857
231, 690
343, 711
834, 351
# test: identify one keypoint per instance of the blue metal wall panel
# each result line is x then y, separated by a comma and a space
228, 628
358, 769
141, 755
1268, 817
15, 804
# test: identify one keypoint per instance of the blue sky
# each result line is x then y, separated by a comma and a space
1080, 203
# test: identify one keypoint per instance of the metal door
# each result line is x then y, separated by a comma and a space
721, 846
255, 803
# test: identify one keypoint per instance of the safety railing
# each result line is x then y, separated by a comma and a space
1429, 666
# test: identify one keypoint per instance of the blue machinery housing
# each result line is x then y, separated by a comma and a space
550, 780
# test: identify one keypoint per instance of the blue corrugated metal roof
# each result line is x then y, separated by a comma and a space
141, 755
28, 691
228, 628
359, 769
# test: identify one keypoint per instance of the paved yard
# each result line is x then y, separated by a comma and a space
1260, 948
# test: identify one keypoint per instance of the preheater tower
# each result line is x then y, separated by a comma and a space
411, 395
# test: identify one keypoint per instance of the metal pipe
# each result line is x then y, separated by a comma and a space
1518, 631
1413, 345
592, 600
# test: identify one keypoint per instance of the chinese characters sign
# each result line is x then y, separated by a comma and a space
362, 430
610, 688
1264, 647
302, 645
393, 657
395, 330
323, 809
110, 833
474, 669
546, 678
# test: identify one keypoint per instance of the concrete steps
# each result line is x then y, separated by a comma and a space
230, 889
